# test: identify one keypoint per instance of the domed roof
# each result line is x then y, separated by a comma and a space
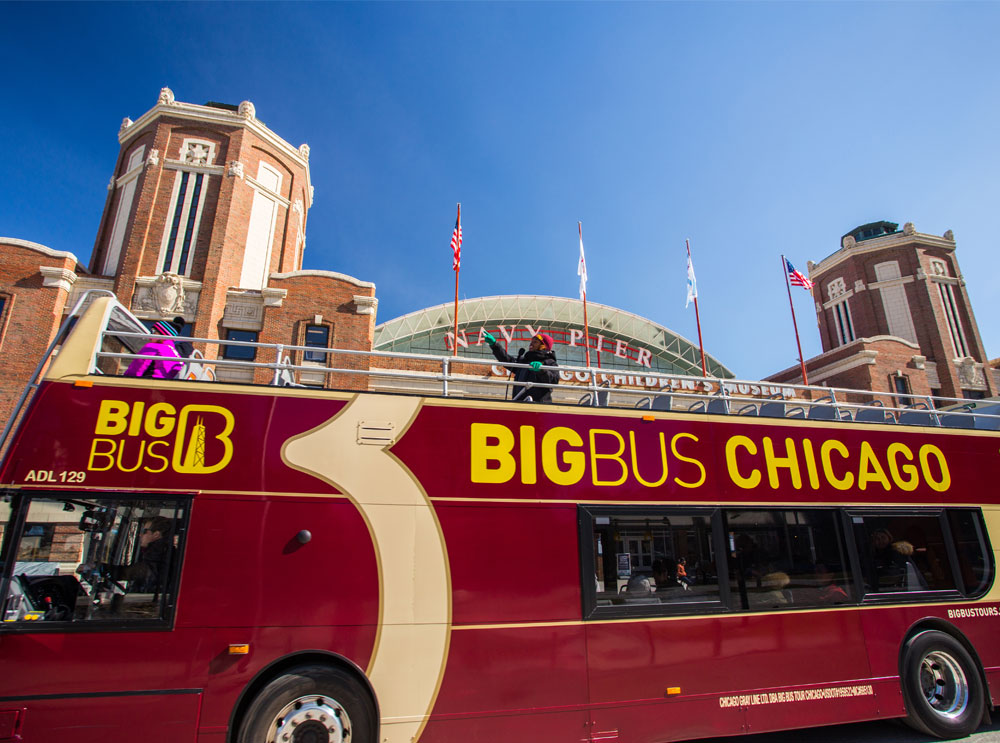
627, 341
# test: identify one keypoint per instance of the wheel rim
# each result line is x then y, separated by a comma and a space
311, 719
943, 682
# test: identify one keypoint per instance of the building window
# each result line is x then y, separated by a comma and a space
261, 227
317, 336
947, 293
240, 353
843, 323
186, 204
127, 185
182, 230
901, 386
3, 317
894, 302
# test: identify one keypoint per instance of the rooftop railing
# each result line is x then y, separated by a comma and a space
467, 377
117, 337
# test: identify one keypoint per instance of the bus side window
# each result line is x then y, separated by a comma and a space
902, 552
974, 565
782, 558
649, 560
94, 559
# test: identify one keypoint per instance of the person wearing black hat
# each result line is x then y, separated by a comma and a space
184, 348
542, 361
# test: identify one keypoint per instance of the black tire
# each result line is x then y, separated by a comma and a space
941, 686
326, 705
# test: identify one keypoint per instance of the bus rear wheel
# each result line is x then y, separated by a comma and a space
310, 704
941, 686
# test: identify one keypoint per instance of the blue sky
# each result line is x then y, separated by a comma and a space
754, 129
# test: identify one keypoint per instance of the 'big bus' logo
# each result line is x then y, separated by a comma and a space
193, 440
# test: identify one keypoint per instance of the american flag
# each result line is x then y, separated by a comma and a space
796, 277
581, 266
456, 241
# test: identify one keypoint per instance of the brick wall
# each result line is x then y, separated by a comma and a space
31, 315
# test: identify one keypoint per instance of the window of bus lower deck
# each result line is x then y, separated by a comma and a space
787, 558
922, 554
650, 561
75, 561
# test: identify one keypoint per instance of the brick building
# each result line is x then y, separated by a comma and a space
894, 316
205, 218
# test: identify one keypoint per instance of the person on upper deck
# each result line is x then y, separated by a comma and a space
169, 364
542, 361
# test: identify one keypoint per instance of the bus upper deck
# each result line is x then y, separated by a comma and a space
114, 337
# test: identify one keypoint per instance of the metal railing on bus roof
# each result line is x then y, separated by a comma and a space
452, 376
592, 387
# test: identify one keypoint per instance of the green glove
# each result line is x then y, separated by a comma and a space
490, 339
536, 365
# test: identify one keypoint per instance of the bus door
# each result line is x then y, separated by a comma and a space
88, 596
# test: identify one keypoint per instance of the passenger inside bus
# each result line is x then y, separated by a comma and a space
149, 572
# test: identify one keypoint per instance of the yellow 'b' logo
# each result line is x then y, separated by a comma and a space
189, 451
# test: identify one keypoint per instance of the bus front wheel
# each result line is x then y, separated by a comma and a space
310, 704
941, 686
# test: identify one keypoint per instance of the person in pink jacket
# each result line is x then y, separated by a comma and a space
169, 364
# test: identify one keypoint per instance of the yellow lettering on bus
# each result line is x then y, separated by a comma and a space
774, 462
943, 482
136, 424
149, 450
828, 446
753, 480
94, 454
138, 458
160, 419
617, 456
810, 457
483, 453
912, 479
112, 418
529, 472
576, 461
673, 447
869, 470
635, 461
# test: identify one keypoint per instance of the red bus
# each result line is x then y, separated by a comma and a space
187, 560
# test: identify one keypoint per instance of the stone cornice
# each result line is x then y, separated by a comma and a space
206, 169
880, 243
325, 275
218, 116
366, 305
38, 247
57, 278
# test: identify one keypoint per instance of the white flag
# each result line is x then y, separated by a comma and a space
692, 284
581, 269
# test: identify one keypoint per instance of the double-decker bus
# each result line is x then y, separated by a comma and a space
189, 560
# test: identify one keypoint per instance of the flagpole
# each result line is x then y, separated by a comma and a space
458, 223
795, 325
697, 317
586, 326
